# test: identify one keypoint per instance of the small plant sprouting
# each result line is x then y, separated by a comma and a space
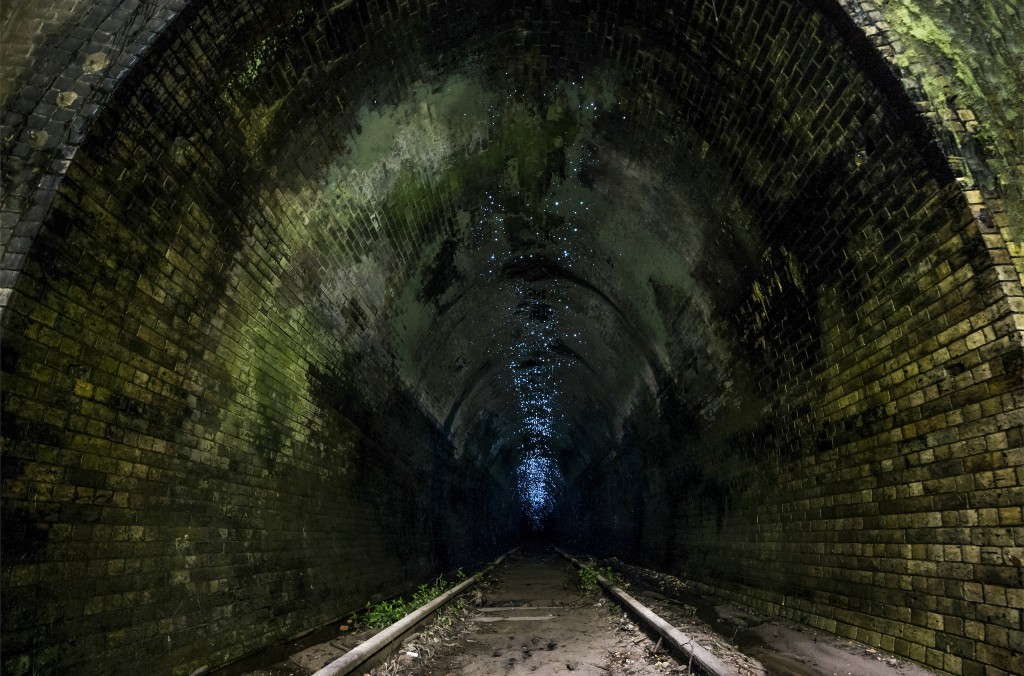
587, 579
381, 614
386, 613
588, 575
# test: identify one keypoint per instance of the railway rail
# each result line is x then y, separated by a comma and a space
552, 632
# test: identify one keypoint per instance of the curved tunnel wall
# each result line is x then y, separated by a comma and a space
261, 339
218, 467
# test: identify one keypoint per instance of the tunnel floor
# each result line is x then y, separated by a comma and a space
529, 616
533, 619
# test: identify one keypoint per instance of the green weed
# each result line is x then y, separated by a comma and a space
386, 613
587, 581
588, 574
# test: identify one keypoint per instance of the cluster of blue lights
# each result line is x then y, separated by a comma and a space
536, 479
535, 382
536, 318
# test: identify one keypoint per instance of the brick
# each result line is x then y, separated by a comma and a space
207, 337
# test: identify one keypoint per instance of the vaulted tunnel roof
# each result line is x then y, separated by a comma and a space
534, 220
317, 277
525, 214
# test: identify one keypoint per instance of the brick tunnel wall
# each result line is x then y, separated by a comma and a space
967, 62
194, 464
861, 468
879, 496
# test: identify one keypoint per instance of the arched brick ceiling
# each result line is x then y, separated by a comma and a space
396, 281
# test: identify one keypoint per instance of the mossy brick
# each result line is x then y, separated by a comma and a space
231, 413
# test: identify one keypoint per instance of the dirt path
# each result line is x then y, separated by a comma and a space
534, 620
785, 648
529, 617
792, 649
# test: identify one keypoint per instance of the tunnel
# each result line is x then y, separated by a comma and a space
306, 302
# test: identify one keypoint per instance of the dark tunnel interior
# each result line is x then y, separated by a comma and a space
332, 297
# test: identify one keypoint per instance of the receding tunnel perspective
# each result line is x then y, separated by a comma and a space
306, 303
